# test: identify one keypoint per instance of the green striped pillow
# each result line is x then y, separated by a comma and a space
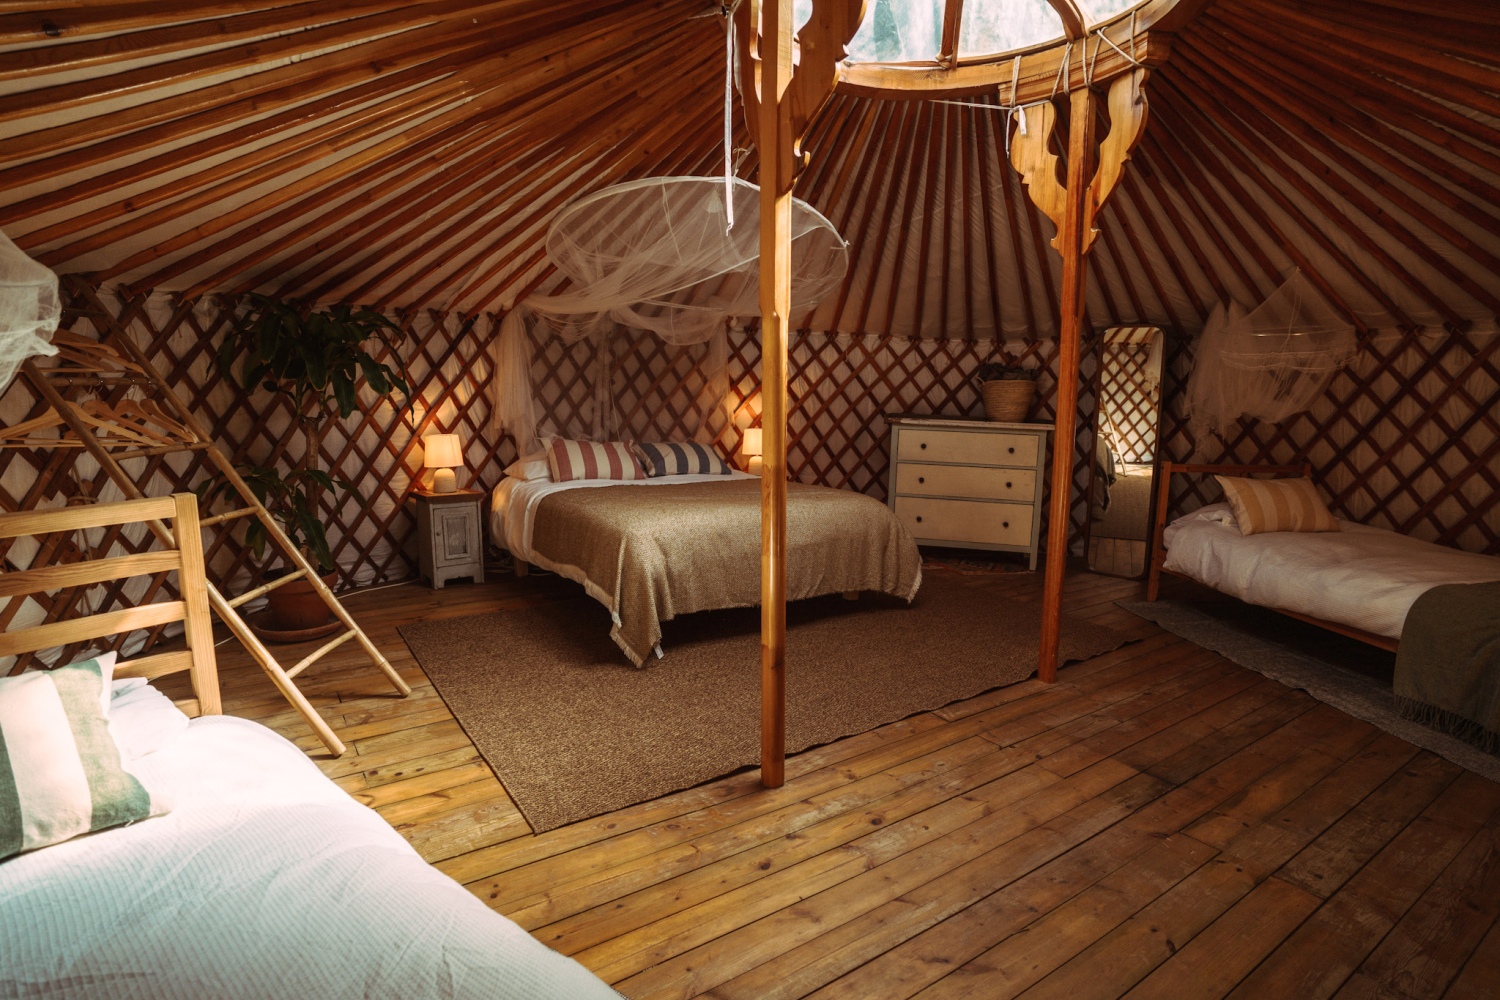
61, 774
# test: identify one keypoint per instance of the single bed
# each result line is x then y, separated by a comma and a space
1359, 581
264, 880
652, 549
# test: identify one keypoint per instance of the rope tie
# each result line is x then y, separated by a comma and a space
1062, 71
727, 11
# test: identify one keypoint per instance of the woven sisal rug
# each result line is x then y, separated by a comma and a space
573, 731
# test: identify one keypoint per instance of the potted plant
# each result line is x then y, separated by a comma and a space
1008, 391
315, 358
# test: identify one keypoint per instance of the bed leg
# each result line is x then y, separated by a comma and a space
1153, 582
522, 567
851, 595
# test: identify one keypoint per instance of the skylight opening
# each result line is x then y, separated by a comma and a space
994, 26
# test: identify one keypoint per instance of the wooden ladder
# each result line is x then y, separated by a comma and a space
117, 429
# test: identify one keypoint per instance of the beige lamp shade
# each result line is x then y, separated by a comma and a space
752, 448
443, 452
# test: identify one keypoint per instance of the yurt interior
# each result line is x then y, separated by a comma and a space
754, 499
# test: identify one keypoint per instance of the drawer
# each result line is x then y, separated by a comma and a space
966, 520
914, 444
966, 481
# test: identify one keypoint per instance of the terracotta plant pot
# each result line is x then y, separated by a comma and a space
296, 606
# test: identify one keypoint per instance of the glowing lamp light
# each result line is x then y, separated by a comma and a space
443, 452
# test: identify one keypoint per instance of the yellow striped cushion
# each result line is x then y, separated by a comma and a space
1276, 505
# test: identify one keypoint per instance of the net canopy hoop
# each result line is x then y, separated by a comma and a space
29, 309
656, 255
1268, 363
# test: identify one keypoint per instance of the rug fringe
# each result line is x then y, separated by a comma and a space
1455, 725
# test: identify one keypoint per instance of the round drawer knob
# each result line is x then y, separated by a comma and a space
1007, 485
1005, 524
924, 445
1011, 450
921, 479
919, 518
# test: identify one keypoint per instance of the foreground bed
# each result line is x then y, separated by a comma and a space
652, 549
265, 880
1359, 581
250, 875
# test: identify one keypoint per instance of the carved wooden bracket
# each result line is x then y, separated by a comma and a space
1031, 154
822, 44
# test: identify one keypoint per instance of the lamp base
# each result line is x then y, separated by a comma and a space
754, 465
444, 481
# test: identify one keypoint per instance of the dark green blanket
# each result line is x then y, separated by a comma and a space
1448, 664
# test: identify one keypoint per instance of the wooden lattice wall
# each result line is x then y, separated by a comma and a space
1407, 438
1129, 399
843, 387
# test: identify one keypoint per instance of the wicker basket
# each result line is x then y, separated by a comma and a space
1008, 400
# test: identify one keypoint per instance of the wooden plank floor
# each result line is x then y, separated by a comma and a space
1160, 823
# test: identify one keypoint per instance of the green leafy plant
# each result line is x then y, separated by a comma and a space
316, 359
291, 498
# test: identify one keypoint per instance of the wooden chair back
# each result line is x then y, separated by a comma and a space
187, 560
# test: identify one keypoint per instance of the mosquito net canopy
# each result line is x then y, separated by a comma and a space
29, 309
1269, 363
676, 256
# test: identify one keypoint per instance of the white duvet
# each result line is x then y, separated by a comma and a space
514, 502
1360, 576
265, 881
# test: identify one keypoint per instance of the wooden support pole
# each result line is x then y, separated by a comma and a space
775, 305
1077, 217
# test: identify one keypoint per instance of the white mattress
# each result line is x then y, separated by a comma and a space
514, 502
265, 881
1360, 576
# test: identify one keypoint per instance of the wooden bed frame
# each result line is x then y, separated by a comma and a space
1159, 547
187, 560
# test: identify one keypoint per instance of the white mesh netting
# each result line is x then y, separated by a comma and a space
29, 309
1269, 363
659, 255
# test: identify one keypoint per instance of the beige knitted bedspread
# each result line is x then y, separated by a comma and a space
650, 554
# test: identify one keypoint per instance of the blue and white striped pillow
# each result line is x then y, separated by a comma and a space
61, 772
681, 458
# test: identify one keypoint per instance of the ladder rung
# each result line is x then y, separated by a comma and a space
319, 653
229, 516
266, 588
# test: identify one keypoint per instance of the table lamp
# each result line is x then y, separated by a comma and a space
751, 448
444, 453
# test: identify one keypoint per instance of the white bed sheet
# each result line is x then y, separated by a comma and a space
265, 881
514, 502
1360, 576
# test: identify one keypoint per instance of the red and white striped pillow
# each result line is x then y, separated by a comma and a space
568, 460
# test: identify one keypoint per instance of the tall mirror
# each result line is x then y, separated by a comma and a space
1125, 459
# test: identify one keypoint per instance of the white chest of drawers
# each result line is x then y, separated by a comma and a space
973, 484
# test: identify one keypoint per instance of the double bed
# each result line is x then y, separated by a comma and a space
1359, 581
652, 549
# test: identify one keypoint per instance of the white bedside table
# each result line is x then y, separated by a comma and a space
450, 541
